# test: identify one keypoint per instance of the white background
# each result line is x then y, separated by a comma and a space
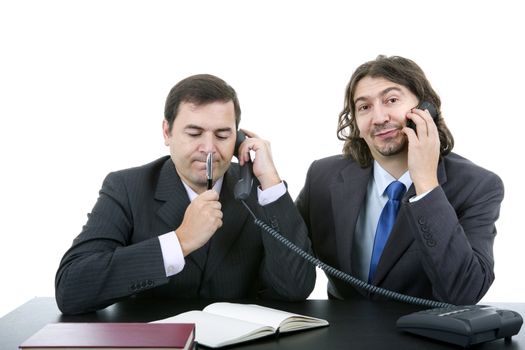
83, 84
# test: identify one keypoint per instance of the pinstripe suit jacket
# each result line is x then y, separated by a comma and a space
440, 246
118, 254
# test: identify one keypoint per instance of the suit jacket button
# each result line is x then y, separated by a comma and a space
431, 243
421, 220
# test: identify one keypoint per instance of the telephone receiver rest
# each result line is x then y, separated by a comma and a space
243, 187
429, 107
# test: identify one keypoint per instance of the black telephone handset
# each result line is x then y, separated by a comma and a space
429, 107
244, 186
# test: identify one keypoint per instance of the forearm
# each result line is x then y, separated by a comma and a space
456, 253
284, 272
91, 277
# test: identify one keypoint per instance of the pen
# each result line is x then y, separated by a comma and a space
209, 170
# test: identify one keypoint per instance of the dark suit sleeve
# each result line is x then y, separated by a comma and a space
102, 266
457, 241
302, 200
285, 274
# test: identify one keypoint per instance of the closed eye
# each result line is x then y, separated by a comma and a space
223, 134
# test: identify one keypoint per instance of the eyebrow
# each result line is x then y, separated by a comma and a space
383, 93
200, 128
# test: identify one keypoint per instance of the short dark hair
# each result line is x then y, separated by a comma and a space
200, 89
398, 70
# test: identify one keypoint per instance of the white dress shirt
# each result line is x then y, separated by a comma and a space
365, 231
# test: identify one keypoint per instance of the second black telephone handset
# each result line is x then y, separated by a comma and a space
428, 106
244, 186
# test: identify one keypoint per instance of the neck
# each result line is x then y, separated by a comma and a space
395, 165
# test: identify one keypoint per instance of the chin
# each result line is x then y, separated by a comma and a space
392, 149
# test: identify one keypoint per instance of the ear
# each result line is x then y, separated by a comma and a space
166, 132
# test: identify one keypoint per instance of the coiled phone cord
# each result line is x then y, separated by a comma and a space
342, 275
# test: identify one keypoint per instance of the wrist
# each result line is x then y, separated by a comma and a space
184, 246
269, 180
425, 187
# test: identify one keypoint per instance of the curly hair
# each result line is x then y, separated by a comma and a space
398, 70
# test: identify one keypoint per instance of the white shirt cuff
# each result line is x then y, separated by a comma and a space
171, 253
416, 198
271, 194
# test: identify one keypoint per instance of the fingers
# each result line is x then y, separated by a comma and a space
425, 125
252, 143
249, 133
263, 165
208, 208
209, 195
202, 218
423, 150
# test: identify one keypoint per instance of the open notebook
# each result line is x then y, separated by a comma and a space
221, 324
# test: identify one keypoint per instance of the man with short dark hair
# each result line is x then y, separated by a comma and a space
398, 209
158, 231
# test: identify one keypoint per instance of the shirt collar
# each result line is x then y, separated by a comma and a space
192, 194
382, 179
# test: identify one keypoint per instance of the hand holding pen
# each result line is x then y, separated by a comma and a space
202, 217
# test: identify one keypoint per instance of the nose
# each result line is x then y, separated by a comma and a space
207, 143
380, 114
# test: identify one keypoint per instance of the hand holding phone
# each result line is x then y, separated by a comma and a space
430, 108
262, 167
423, 153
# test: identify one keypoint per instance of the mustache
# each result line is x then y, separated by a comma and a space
379, 128
202, 159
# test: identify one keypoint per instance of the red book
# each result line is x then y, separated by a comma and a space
100, 336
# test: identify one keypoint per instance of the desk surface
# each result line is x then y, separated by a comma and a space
358, 324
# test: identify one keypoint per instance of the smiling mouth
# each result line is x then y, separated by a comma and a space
386, 133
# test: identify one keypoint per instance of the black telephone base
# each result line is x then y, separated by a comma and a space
463, 325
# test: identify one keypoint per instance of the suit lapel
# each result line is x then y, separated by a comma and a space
348, 196
171, 190
401, 237
234, 217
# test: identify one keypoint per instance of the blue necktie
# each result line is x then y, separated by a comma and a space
395, 192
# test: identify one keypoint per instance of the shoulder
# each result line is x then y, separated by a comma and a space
454, 163
332, 162
330, 166
143, 174
462, 172
153, 166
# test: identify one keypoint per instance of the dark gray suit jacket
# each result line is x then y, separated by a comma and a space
440, 246
118, 254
